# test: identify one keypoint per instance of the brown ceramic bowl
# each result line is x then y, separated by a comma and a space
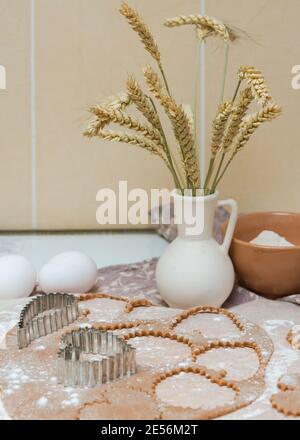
273, 272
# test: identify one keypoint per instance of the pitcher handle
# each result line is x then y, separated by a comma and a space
231, 223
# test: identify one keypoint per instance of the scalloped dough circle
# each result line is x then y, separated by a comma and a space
157, 352
190, 390
105, 309
287, 402
239, 363
211, 325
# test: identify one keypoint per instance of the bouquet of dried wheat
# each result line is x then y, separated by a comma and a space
232, 127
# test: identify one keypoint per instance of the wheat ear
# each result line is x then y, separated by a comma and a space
219, 125
184, 136
237, 115
190, 115
257, 82
247, 128
142, 102
147, 107
234, 122
112, 103
121, 118
181, 127
146, 144
118, 102
252, 122
155, 86
218, 128
139, 26
207, 26
94, 128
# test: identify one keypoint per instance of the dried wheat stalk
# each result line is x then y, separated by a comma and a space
121, 118
219, 125
257, 82
236, 118
181, 127
102, 117
138, 25
142, 102
146, 144
112, 103
183, 132
118, 102
206, 26
94, 128
190, 115
184, 136
155, 85
231, 127
252, 122
247, 128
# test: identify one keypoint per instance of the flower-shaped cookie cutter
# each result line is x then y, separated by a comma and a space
90, 357
46, 314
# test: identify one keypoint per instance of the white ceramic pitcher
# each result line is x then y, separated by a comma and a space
195, 270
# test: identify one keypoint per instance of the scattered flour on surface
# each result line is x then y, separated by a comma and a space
42, 402
40, 348
271, 325
8, 391
73, 401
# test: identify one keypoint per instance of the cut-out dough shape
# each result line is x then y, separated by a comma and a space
239, 363
293, 337
287, 400
210, 322
156, 352
198, 406
189, 390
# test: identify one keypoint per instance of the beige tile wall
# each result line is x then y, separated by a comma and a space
84, 51
266, 176
86, 57
15, 122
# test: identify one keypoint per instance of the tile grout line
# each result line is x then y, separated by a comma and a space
202, 110
33, 118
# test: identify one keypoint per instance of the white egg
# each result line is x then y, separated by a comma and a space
17, 277
69, 272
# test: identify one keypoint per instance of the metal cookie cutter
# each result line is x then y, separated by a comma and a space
113, 359
46, 314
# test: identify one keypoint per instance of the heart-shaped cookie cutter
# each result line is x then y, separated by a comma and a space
89, 357
46, 314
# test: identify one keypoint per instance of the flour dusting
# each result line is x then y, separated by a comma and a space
271, 238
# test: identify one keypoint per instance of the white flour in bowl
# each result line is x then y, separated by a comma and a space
271, 238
